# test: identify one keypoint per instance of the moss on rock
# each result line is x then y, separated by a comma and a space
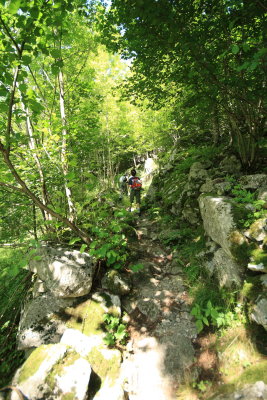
58, 369
87, 317
259, 256
251, 288
240, 248
32, 364
105, 363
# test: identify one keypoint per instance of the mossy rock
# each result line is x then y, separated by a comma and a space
252, 374
251, 288
58, 369
105, 363
33, 363
240, 248
259, 256
88, 316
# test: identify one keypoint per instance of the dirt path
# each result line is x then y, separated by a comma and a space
160, 350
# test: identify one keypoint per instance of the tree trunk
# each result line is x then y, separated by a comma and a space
64, 162
83, 235
32, 146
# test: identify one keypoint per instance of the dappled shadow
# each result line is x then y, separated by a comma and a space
160, 327
258, 337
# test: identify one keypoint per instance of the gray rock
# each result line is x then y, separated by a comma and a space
259, 312
38, 288
222, 188
249, 392
39, 323
230, 164
116, 283
53, 372
224, 268
263, 279
258, 230
190, 211
207, 187
219, 219
197, 174
65, 272
253, 181
149, 308
262, 193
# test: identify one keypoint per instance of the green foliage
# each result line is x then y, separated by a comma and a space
116, 331
14, 284
202, 386
241, 195
223, 44
215, 307
107, 226
136, 267
205, 315
214, 316
244, 196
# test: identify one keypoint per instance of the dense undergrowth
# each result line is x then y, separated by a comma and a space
14, 285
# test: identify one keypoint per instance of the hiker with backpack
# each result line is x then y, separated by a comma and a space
123, 186
135, 190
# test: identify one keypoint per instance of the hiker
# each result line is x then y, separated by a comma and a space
123, 186
135, 190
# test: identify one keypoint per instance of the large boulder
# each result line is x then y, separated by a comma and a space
262, 193
105, 363
220, 219
65, 272
46, 317
197, 174
224, 268
258, 230
230, 164
53, 372
40, 322
253, 182
259, 312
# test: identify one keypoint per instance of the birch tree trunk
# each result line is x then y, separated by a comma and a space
32, 146
64, 161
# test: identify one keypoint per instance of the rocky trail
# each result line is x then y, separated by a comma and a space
160, 349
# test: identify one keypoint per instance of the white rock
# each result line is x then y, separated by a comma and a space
81, 343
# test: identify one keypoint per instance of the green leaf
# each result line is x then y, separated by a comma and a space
117, 266
214, 313
26, 60
245, 47
199, 326
137, 267
54, 69
235, 49
23, 87
74, 240
55, 53
83, 247
14, 6
37, 258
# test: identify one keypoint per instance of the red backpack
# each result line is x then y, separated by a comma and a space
136, 183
